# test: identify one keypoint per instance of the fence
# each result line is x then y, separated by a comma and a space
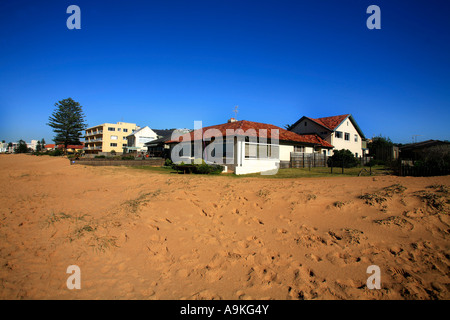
311, 160
119, 162
422, 171
306, 160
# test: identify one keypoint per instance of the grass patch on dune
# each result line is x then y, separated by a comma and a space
383, 195
134, 204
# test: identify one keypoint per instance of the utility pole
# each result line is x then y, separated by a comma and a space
235, 111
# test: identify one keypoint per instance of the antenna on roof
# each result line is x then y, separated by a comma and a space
235, 111
414, 137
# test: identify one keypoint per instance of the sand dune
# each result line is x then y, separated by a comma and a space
142, 235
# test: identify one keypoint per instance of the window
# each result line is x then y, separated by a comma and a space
125, 130
111, 129
347, 136
124, 144
299, 149
356, 154
124, 138
356, 138
118, 129
113, 137
113, 144
306, 123
338, 134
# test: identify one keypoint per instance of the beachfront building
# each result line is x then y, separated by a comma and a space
244, 146
108, 137
340, 131
159, 147
136, 140
3, 146
32, 145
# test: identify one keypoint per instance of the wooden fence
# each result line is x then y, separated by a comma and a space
306, 160
118, 162
422, 171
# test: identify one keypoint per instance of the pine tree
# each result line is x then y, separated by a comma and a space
67, 122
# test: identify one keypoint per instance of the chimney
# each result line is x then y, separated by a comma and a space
232, 120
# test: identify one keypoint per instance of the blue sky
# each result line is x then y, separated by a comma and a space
167, 63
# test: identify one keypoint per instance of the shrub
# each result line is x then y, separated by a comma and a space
100, 157
343, 156
208, 168
127, 157
203, 168
168, 163
56, 153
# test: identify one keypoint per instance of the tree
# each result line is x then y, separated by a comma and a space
38, 146
67, 122
344, 158
288, 127
381, 148
21, 147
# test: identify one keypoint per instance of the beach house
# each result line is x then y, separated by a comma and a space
244, 146
342, 132
137, 139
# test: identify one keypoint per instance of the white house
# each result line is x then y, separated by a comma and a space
244, 146
3, 146
342, 132
136, 140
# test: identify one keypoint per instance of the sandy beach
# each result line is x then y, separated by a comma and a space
138, 234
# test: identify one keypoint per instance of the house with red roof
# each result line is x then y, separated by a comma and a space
340, 131
244, 146
70, 148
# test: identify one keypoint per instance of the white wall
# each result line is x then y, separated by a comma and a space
341, 143
285, 152
143, 136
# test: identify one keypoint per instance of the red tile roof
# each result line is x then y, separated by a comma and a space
257, 129
49, 146
330, 122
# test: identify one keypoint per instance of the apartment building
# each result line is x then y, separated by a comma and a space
108, 137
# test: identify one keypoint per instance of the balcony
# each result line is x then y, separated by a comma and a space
93, 133
93, 148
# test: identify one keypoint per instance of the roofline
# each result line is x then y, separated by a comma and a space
115, 124
349, 116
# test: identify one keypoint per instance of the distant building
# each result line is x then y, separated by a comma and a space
32, 145
137, 139
108, 137
414, 151
3, 147
160, 147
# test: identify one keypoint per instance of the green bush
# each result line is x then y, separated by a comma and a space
168, 163
203, 168
343, 157
127, 158
56, 153
100, 157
